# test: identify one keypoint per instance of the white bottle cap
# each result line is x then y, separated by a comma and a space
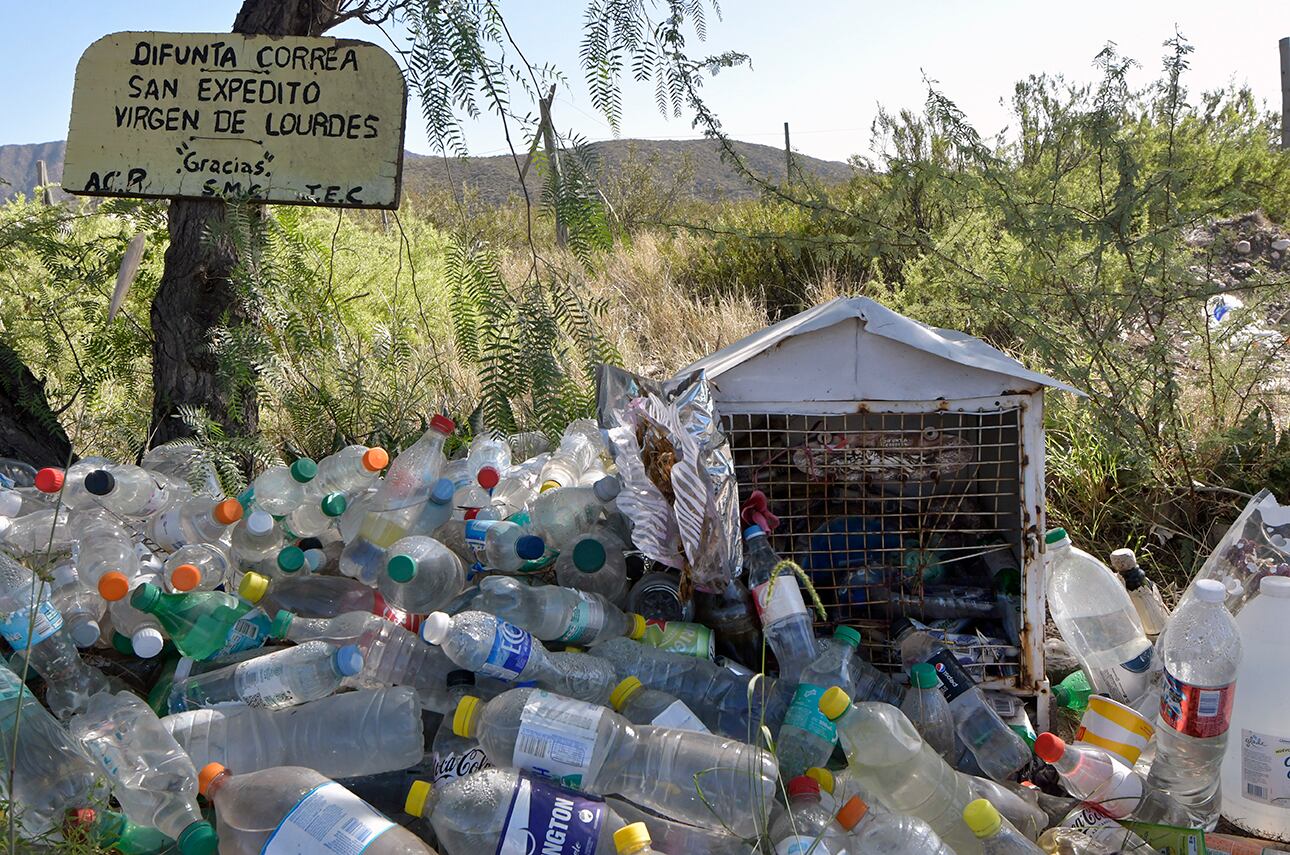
1210, 591
259, 522
1123, 560
1275, 586
434, 629
147, 642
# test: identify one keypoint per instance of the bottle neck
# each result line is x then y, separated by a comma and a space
216, 784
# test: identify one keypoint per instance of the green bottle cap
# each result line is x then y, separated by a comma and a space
304, 470
1054, 535
402, 568
281, 624
291, 559
334, 504
923, 676
589, 555
198, 839
847, 635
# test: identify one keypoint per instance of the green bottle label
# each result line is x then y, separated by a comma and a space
804, 713
674, 636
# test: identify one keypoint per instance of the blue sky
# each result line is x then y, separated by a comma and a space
821, 65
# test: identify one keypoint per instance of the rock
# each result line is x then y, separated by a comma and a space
1241, 270
1281, 245
1242, 247
1276, 256
1059, 659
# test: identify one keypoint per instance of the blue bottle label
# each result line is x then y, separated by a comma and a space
1141, 663
477, 531
804, 713
512, 647
548, 819
250, 631
22, 629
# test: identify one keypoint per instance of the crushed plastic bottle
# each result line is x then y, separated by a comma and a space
807, 736
283, 678
927, 709
554, 613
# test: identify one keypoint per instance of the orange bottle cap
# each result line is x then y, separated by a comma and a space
852, 812
209, 772
114, 586
375, 459
185, 577
228, 511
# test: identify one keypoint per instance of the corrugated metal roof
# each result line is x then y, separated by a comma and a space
878, 320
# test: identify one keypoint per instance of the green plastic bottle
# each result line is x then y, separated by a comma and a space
111, 830
205, 624
1073, 692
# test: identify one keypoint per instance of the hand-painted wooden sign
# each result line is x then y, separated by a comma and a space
299, 121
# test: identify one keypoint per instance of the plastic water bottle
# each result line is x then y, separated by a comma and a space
34, 629
671, 835
804, 825
634, 839
718, 696
553, 613
350, 470
392, 656
197, 519
807, 736
560, 516
576, 454
438, 508
580, 675
1146, 598
998, 750
928, 711
197, 567
995, 833
488, 645
298, 810
421, 575
205, 624
1252, 789
273, 681
456, 756
493, 544
692, 776
643, 706
875, 832
106, 558
784, 619
153, 780
1099, 779
133, 491
501, 810
279, 490
594, 562
111, 830
1201, 649
487, 459
81, 608
315, 514
67, 486
1097, 619
145, 632
382, 731
887, 756
309, 596
51, 771
257, 537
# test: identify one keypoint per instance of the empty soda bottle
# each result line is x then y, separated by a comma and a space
197, 519
142, 629
381, 728
692, 776
559, 517
594, 563
279, 490
106, 558
132, 491
996, 833
785, 622
284, 678
643, 706
315, 515
421, 575
804, 825
152, 778
256, 538
493, 544
876, 832
553, 613
1097, 778
1142, 591
1073, 692
456, 756
293, 809
487, 459
633, 839
205, 624
350, 470
197, 567
807, 736
311, 596
927, 709
675, 636
81, 608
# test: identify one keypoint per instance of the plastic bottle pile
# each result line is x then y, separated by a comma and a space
411, 654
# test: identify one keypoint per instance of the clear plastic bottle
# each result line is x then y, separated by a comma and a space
67, 486
300, 811
421, 575
350, 470
886, 755
996, 833
34, 629
1201, 649
785, 622
560, 516
674, 836
807, 736
51, 771
185, 463
874, 685
1253, 792
1097, 778
204, 624
487, 459
81, 608
392, 656
133, 491
197, 567
580, 675
493, 544
695, 777
553, 613
382, 731
153, 780
197, 519
257, 537
308, 596
927, 709
501, 810
284, 678
804, 825
718, 696
998, 750
1146, 598
456, 756
875, 832
594, 562
438, 508
106, 558
316, 514
144, 630
643, 706
634, 839
279, 490
1097, 619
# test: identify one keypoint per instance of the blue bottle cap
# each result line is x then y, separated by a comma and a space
753, 531
530, 547
348, 660
441, 492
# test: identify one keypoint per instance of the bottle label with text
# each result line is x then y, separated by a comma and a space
1197, 711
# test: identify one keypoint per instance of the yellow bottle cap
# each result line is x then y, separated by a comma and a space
629, 838
623, 691
253, 587
834, 703
463, 720
638, 626
821, 776
550, 485
982, 818
415, 803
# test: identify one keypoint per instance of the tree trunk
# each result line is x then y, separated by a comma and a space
195, 295
29, 430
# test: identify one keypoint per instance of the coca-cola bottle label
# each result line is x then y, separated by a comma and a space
1199, 711
454, 765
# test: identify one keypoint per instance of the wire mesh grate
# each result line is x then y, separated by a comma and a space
899, 513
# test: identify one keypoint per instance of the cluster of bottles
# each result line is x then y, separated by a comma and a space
412, 654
